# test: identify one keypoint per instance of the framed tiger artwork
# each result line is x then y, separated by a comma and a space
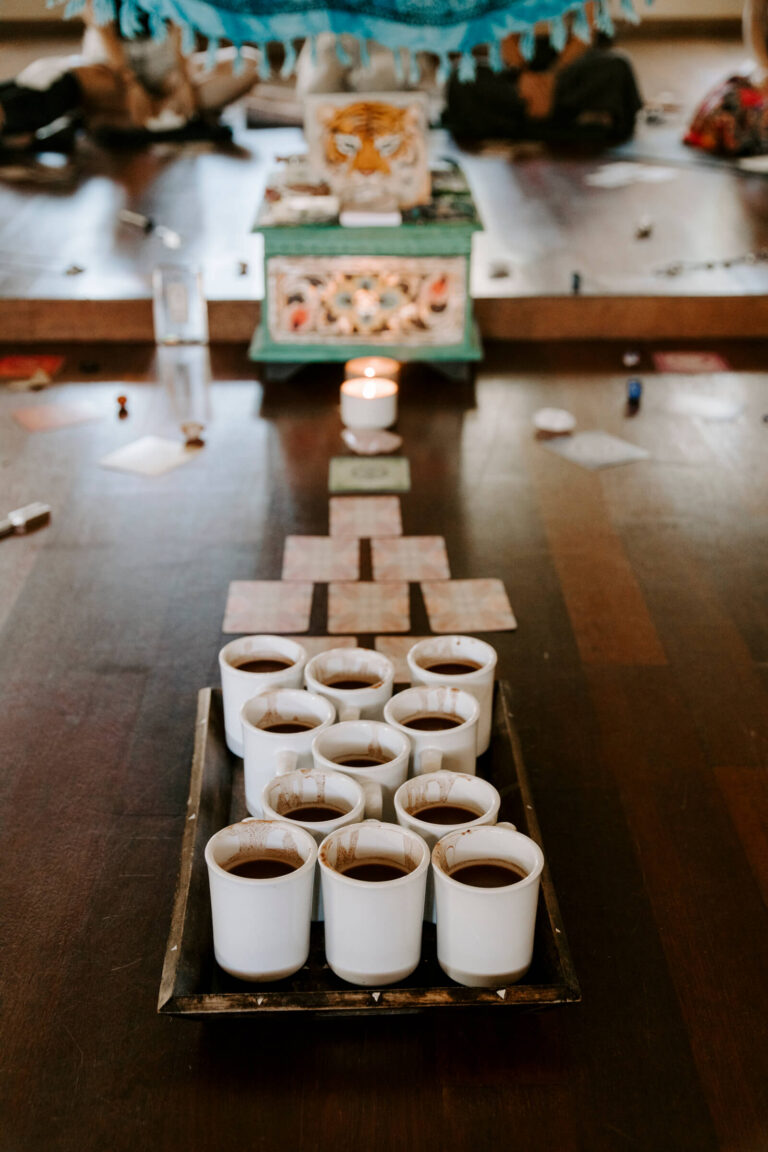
371, 148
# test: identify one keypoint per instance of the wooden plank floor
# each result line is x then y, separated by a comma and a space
542, 219
639, 680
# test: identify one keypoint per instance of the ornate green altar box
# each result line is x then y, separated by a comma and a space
332, 292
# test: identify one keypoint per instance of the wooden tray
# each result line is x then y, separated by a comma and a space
194, 985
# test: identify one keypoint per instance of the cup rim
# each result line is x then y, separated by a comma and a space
390, 719
304, 773
326, 722
417, 871
346, 724
495, 830
310, 861
400, 807
299, 662
461, 677
386, 680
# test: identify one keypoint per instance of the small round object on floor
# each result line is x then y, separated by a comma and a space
122, 411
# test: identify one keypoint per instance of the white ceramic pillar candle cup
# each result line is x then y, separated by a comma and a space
266, 749
368, 751
305, 788
261, 926
328, 672
453, 748
368, 402
478, 798
238, 685
485, 935
459, 662
373, 928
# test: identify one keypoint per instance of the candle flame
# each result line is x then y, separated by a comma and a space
369, 371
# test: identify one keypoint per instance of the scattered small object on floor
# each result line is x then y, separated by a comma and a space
630, 359
122, 411
26, 519
34, 383
192, 433
634, 390
553, 422
596, 449
643, 228
680, 267
242, 267
625, 172
575, 283
371, 441
74, 270
147, 225
499, 270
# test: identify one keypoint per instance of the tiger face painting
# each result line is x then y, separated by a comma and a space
375, 146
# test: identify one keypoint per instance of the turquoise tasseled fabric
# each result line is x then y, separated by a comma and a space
448, 28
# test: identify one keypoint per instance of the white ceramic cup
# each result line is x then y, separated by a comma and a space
356, 741
265, 753
238, 686
373, 928
485, 935
306, 787
454, 749
261, 926
344, 664
426, 658
476, 795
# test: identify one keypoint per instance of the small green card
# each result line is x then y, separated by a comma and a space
353, 474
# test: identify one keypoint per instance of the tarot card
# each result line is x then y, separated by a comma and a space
321, 558
396, 649
595, 449
368, 607
362, 517
149, 456
272, 606
410, 558
381, 474
468, 606
48, 417
690, 363
372, 148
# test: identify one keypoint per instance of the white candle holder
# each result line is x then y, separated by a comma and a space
368, 402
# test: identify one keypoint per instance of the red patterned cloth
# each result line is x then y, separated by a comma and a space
732, 120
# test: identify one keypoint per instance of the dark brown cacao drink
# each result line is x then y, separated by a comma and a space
360, 761
375, 871
263, 664
289, 727
453, 667
261, 867
434, 722
315, 813
445, 813
350, 682
488, 873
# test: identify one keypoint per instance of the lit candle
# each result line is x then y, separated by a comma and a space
368, 402
383, 367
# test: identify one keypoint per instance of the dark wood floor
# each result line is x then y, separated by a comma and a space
541, 219
639, 678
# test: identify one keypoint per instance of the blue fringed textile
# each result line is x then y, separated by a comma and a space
437, 26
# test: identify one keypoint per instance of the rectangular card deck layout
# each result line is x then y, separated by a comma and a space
380, 474
271, 606
367, 607
468, 606
363, 517
321, 558
410, 558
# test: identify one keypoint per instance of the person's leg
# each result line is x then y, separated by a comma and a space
219, 85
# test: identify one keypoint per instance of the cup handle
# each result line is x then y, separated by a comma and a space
374, 799
349, 712
286, 762
430, 760
506, 824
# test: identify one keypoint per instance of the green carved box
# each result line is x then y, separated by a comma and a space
333, 291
